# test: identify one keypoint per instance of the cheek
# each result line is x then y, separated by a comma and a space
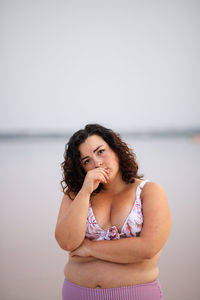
88, 167
116, 162
112, 160
107, 156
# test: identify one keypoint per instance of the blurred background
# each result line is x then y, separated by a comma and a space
132, 66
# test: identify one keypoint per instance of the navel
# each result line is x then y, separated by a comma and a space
98, 287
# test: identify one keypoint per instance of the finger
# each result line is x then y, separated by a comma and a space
104, 171
101, 178
101, 170
106, 174
105, 180
101, 175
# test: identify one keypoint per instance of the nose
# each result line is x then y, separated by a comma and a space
97, 163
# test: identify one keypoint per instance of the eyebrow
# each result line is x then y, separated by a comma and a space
93, 151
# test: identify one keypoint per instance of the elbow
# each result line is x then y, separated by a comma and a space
62, 244
65, 245
151, 252
149, 255
147, 249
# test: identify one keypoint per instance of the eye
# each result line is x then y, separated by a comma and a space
101, 151
86, 161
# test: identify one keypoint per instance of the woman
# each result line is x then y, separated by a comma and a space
113, 223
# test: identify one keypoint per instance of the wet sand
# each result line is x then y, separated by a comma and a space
31, 261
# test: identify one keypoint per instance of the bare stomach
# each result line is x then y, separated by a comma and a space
95, 273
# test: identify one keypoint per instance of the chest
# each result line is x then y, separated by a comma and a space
109, 211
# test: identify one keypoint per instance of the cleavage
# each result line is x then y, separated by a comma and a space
107, 221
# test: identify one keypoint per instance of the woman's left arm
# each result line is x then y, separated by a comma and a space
154, 234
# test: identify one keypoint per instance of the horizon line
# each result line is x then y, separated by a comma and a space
26, 134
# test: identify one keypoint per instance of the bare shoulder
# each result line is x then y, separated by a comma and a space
67, 200
157, 216
152, 189
154, 199
155, 204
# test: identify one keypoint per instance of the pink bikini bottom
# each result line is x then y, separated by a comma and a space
147, 291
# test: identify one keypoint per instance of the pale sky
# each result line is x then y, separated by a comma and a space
128, 65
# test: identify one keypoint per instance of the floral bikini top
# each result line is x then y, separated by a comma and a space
132, 225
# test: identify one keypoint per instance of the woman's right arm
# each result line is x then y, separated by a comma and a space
71, 224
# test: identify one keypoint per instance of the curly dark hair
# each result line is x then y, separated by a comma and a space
73, 172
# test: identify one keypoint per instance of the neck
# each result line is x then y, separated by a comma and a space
114, 187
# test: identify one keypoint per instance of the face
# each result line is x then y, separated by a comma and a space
95, 152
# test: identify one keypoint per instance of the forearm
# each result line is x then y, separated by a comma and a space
70, 231
126, 250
